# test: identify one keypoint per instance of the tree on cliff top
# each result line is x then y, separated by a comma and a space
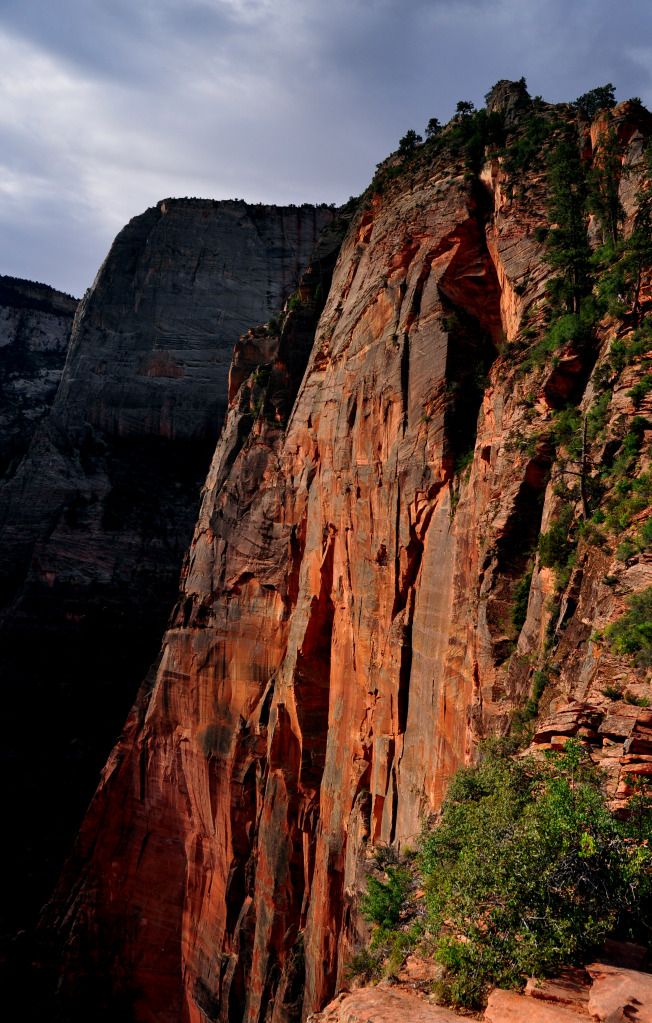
409, 143
433, 128
464, 108
601, 98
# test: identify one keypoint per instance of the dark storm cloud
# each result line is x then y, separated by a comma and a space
108, 105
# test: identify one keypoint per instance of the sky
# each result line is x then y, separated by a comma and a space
107, 106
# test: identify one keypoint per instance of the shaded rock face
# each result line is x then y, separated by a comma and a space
344, 630
152, 352
35, 325
96, 518
509, 99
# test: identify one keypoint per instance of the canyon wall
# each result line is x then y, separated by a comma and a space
344, 635
35, 325
95, 519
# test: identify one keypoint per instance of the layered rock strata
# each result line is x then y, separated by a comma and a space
345, 635
96, 518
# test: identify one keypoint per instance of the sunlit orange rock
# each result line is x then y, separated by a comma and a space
344, 632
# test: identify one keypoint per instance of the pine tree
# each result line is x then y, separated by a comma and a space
409, 143
602, 98
604, 181
433, 128
628, 263
567, 242
464, 108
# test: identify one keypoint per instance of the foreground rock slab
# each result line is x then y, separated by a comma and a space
570, 989
383, 1005
602, 993
618, 994
510, 1007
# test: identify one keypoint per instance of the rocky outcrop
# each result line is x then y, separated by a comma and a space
35, 325
619, 737
603, 993
95, 520
383, 1005
344, 635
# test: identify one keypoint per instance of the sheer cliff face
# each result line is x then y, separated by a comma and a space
316, 687
35, 325
344, 631
96, 518
152, 352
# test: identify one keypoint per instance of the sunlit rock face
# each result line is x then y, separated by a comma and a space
96, 517
344, 634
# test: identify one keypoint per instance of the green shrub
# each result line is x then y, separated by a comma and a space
397, 946
365, 965
523, 717
636, 701
596, 418
556, 545
625, 550
630, 496
433, 128
632, 634
527, 870
408, 144
644, 536
604, 180
624, 351
640, 389
526, 149
590, 533
521, 598
539, 683
570, 329
567, 246
472, 131
601, 98
463, 462
383, 900
613, 692
628, 454
567, 431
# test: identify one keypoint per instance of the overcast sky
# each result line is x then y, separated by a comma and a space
107, 106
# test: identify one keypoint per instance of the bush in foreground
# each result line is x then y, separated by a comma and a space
527, 871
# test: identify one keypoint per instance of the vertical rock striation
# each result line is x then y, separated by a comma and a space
35, 325
96, 518
344, 630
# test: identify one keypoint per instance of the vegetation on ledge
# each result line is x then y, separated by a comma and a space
525, 870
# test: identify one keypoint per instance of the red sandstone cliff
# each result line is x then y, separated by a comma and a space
343, 636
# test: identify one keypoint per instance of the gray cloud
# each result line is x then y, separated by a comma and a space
107, 106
